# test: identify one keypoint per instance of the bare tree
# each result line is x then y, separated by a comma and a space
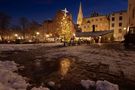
24, 24
4, 24
4, 21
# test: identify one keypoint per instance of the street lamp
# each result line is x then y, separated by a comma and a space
125, 28
16, 35
37, 33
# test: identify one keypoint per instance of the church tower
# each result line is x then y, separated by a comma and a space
80, 15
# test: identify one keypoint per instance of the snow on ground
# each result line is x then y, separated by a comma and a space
24, 47
9, 80
118, 61
99, 85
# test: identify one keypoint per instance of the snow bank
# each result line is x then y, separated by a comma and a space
9, 80
100, 85
87, 83
105, 85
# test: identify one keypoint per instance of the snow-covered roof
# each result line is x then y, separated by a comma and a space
93, 34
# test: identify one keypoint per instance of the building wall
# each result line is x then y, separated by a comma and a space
48, 26
131, 12
118, 23
100, 23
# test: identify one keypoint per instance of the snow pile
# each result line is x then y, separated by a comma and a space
40, 88
10, 80
8, 65
51, 83
87, 83
105, 85
100, 85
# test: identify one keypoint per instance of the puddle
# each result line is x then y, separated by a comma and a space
67, 73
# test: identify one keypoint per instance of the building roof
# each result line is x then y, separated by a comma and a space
93, 34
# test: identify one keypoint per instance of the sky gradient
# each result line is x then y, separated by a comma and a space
41, 10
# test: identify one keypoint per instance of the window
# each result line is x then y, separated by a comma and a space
84, 26
101, 19
113, 19
88, 21
120, 24
120, 18
120, 30
112, 24
121, 13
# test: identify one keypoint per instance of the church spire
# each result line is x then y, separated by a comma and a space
80, 15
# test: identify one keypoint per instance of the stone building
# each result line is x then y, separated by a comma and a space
48, 26
95, 27
131, 13
95, 23
118, 23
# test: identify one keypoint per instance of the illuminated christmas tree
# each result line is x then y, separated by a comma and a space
65, 27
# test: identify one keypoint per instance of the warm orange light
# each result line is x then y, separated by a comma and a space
37, 33
65, 65
16, 35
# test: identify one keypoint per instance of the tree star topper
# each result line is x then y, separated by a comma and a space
65, 11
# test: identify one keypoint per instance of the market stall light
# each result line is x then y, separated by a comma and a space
37, 33
16, 35
74, 34
47, 35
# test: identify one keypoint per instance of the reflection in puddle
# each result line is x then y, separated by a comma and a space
64, 66
38, 63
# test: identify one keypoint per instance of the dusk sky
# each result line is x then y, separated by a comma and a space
41, 10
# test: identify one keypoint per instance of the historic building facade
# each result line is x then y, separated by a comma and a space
118, 23
95, 23
95, 27
131, 13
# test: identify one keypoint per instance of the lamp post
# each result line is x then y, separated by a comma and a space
37, 36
